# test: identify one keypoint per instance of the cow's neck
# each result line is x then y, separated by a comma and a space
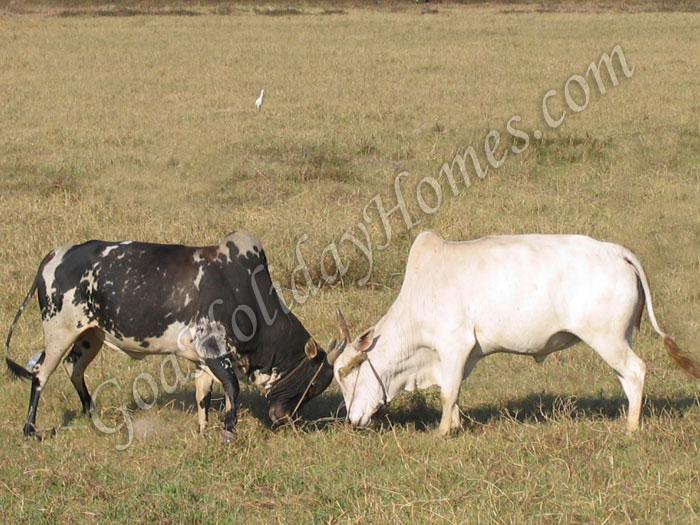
284, 341
404, 360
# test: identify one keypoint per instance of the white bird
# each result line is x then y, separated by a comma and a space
258, 103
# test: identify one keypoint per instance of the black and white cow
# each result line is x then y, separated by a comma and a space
213, 305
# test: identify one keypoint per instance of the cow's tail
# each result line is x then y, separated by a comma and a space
16, 370
680, 358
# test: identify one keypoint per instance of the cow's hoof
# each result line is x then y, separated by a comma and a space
89, 409
30, 432
228, 436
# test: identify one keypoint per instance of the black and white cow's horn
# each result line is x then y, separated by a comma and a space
331, 345
334, 351
343, 326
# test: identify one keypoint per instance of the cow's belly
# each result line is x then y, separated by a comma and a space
520, 340
529, 318
175, 339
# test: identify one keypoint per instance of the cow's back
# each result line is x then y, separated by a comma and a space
130, 290
61, 272
511, 288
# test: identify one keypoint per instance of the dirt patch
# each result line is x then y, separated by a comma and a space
151, 426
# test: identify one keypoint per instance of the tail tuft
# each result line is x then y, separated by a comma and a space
681, 359
17, 371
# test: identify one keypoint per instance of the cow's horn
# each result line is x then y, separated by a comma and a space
343, 326
334, 351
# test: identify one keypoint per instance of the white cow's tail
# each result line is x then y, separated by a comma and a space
680, 358
16, 370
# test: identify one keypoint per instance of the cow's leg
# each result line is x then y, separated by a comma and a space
204, 383
84, 351
473, 358
630, 370
54, 348
203, 387
223, 370
457, 363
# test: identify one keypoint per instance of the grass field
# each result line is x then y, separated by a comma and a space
142, 127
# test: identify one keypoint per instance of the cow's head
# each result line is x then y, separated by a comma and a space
311, 377
359, 378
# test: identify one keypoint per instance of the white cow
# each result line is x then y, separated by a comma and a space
523, 294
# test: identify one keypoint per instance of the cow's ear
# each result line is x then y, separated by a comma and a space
311, 348
365, 341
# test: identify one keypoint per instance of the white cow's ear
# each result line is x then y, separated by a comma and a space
311, 348
364, 341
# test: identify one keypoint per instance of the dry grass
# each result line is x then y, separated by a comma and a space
142, 127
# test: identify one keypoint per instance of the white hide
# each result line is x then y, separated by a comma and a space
527, 294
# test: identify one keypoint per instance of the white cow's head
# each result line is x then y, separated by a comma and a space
358, 377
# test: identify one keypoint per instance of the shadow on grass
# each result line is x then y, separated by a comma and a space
250, 400
424, 414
